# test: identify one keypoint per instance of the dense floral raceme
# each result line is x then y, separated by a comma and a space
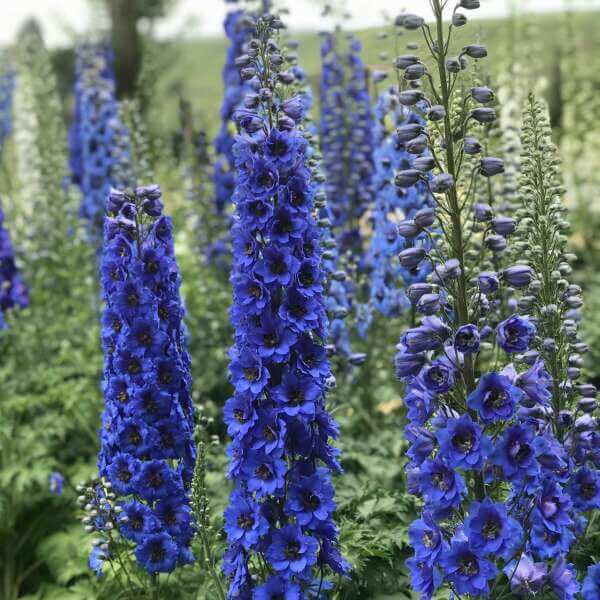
238, 32
400, 213
147, 452
279, 523
13, 291
7, 84
97, 154
501, 433
347, 136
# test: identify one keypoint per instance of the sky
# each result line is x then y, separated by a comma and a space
63, 19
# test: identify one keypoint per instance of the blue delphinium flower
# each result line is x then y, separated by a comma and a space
591, 583
281, 459
238, 32
7, 85
13, 291
95, 155
147, 451
393, 205
56, 483
502, 437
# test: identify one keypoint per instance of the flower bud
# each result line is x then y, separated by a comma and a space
504, 225
405, 133
414, 72
412, 22
469, 4
475, 51
587, 405
405, 61
488, 282
416, 290
424, 163
408, 229
453, 65
483, 212
518, 276
496, 243
587, 390
442, 183
484, 115
116, 200
471, 146
407, 178
436, 113
428, 304
417, 145
490, 166
410, 97
411, 257
458, 19
482, 94
357, 358
425, 217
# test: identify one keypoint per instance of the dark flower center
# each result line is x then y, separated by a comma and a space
311, 500
170, 517
588, 490
152, 266
298, 310
145, 338
306, 279
463, 441
255, 291
278, 267
468, 566
245, 522
155, 480
134, 437
295, 396
439, 481
491, 529
239, 415
296, 198
279, 147
124, 475
263, 472
251, 373
157, 554
134, 366
270, 339
122, 396
496, 398
269, 434
133, 299
292, 550
265, 179
428, 539
136, 523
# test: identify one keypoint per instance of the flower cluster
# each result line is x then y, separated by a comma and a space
13, 291
501, 434
279, 522
95, 136
347, 138
400, 213
147, 452
238, 32
7, 84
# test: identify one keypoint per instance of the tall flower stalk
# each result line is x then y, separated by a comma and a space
500, 447
147, 453
279, 523
97, 155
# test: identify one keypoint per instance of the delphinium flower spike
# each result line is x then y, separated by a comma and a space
494, 477
13, 291
94, 155
7, 84
147, 453
279, 523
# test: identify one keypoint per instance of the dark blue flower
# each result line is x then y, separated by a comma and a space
438, 377
563, 580
591, 583
137, 520
426, 539
441, 485
515, 334
244, 521
157, 553
462, 444
467, 339
490, 530
291, 552
466, 570
310, 499
515, 454
424, 577
585, 489
536, 383
276, 588
495, 398
55, 483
